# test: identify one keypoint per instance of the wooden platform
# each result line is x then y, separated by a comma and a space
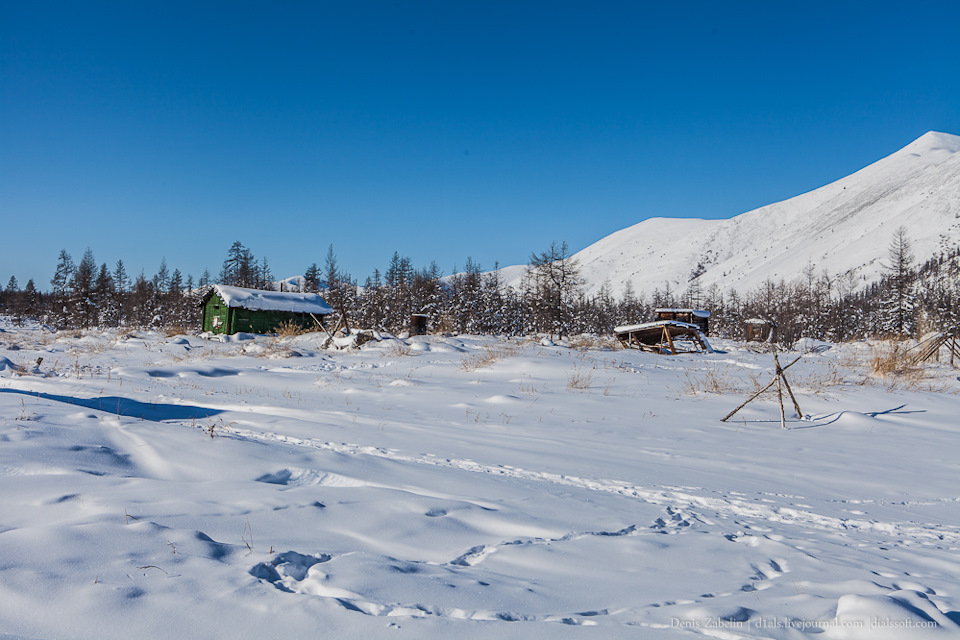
664, 337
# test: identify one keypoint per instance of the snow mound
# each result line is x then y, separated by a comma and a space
894, 616
294, 477
809, 345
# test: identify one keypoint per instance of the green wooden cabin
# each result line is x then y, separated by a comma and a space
229, 310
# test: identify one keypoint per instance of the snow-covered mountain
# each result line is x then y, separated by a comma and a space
844, 226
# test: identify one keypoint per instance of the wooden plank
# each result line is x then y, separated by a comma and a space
666, 333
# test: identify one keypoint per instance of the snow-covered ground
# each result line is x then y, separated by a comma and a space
174, 487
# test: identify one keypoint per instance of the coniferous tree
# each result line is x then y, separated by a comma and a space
192, 298
175, 307
396, 301
493, 304
107, 302
121, 281
467, 305
81, 302
553, 282
31, 300
161, 280
263, 275
311, 279
333, 292
121, 284
12, 300
141, 301
899, 299
60, 284
240, 268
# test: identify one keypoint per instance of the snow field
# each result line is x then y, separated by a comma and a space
177, 487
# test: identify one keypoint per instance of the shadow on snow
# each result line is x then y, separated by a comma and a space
126, 407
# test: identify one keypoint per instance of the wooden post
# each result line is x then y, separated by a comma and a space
780, 373
783, 415
666, 333
757, 394
320, 324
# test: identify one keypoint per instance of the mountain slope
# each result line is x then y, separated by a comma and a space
845, 226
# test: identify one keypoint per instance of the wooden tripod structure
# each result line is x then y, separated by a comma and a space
930, 348
780, 379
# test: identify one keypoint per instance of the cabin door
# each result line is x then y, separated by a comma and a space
217, 318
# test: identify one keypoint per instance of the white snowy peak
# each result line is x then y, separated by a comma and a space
843, 227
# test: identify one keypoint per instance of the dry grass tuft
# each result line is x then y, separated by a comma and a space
291, 329
580, 380
178, 330
594, 343
891, 360
398, 349
713, 379
832, 375
488, 355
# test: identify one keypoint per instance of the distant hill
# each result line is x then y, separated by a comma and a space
845, 226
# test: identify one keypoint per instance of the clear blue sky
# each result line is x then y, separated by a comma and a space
439, 129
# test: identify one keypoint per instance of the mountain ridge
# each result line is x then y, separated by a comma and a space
843, 228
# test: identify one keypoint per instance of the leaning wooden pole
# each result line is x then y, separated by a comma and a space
796, 405
783, 413
666, 333
320, 324
757, 394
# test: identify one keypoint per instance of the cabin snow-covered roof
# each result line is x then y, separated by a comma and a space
698, 313
259, 300
656, 323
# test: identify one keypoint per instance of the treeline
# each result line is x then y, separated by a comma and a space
86, 295
551, 299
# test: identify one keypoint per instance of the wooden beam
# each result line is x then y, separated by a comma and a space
666, 333
783, 416
780, 373
320, 324
757, 394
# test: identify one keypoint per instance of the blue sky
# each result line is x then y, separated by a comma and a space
440, 130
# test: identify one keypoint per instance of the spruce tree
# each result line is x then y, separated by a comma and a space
311, 279
105, 294
81, 302
899, 299
59, 287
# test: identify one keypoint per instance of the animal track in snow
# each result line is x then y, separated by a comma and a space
678, 500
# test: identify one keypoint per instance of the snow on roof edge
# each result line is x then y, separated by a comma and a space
260, 300
699, 313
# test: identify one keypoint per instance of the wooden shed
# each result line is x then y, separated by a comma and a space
231, 310
698, 317
759, 330
418, 324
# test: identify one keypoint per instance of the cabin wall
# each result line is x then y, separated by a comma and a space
215, 316
249, 321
